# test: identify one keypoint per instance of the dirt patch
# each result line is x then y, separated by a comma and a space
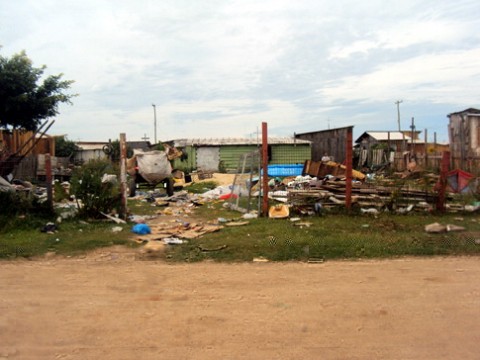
220, 179
108, 305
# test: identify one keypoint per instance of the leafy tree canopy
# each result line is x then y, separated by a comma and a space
25, 97
64, 147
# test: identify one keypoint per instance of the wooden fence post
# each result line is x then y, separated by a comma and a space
443, 181
426, 149
48, 177
265, 168
123, 176
348, 171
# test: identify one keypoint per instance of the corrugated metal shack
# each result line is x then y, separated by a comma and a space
464, 134
222, 154
331, 142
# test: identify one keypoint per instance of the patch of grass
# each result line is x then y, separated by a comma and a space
333, 237
201, 187
142, 207
72, 238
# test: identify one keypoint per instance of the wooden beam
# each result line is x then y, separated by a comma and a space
265, 168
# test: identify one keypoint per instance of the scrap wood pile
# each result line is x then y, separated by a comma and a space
324, 183
332, 193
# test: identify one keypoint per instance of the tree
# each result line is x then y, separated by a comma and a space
64, 147
26, 100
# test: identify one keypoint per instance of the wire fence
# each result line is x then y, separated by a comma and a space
308, 187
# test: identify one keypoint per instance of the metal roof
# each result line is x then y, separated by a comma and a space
469, 111
91, 145
325, 131
236, 141
383, 135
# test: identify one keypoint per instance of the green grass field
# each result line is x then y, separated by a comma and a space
332, 236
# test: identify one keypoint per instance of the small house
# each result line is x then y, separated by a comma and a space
332, 142
90, 150
223, 154
464, 136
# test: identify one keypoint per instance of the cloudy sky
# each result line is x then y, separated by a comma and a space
219, 68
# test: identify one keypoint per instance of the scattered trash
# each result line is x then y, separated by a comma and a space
152, 249
472, 208
260, 259
228, 196
113, 218
172, 241
212, 249
237, 223
435, 228
137, 219
372, 211
439, 228
141, 229
250, 216
295, 219
6, 186
302, 224
278, 212
49, 228
451, 227
222, 220
405, 210
117, 229
107, 178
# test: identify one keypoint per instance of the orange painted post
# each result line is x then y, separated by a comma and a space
348, 173
265, 168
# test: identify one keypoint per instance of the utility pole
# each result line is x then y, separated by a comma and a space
398, 102
413, 135
154, 123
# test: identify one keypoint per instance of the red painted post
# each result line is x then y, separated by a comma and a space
443, 181
265, 168
348, 171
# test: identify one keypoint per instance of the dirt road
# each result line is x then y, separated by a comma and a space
108, 305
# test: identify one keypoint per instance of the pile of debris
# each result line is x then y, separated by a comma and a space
324, 185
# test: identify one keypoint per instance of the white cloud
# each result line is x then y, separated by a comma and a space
433, 78
221, 67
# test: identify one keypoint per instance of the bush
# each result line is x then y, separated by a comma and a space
95, 196
18, 206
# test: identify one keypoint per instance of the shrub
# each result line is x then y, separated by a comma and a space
95, 196
18, 206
